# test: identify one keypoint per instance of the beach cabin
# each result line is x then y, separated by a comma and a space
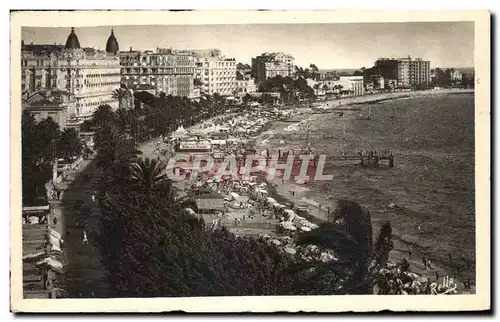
209, 203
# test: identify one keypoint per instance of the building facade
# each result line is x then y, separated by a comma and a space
457, 75
216, 73
407, 72
354, 84
45, 103
246, 86
414, 72
269, 65
90, 75
164, 71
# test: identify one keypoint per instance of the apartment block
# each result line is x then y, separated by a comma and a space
162, 71
405, 72
269, 65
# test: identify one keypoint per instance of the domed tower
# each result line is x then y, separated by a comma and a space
112, 44
72, 41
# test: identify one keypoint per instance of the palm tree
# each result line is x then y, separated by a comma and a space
350, 237
123, 119
103, 115
119, 94
69, 144
115, 152
383, 245
148, 173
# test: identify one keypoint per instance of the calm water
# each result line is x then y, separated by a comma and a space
432, 139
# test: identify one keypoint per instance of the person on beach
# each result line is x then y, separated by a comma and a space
467, 284
93, 198
419, 229
424, 261
409, 252
437, 276
85, 239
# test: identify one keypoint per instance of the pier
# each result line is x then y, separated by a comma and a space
366, 158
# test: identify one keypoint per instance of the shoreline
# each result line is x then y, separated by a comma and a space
401, 246
382, 97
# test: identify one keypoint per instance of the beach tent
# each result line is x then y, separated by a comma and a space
276, 242
54, 233
52, 263
313, 226
271, 200
181, 132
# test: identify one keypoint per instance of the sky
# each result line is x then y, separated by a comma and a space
328, 46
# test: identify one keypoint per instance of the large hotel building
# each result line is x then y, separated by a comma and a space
90, 75
269, 65
402, 72
162, 71
214, 72
187, 72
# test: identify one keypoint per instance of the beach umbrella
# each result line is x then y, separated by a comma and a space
276, 242
305, 228
290, 250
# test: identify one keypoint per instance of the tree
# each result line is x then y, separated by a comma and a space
86, 126
246, 99
36, 163
350, 237
115, 154
49, 133
148, 173
144, 97
69, 144
358, 73
119, 95
383, 245
243, 66
103, 115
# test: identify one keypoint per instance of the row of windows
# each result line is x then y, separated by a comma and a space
174, 70
91, 104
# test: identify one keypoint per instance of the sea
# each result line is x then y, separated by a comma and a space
432, 183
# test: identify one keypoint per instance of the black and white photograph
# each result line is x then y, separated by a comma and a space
223, 159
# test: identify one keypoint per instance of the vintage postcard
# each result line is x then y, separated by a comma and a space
249, 161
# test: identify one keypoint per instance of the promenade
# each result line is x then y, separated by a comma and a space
84, 273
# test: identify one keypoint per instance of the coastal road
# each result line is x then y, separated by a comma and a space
84, 273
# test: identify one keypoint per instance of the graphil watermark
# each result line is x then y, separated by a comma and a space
304, 167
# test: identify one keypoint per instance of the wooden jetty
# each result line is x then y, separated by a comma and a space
366, 158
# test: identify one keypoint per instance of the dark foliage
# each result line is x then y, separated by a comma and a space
350, 237
41, 143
